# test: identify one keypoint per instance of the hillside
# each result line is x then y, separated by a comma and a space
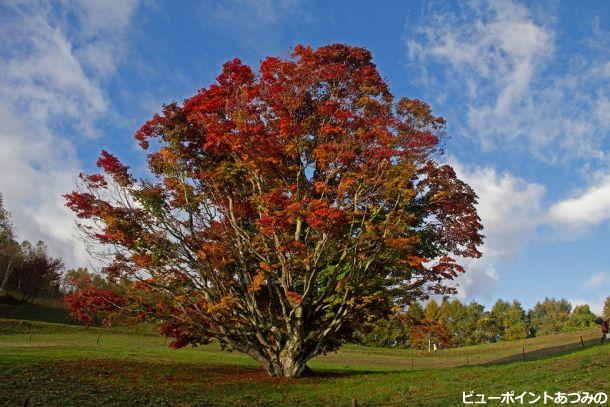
56, 364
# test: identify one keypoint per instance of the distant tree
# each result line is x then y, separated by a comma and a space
498, 314
480, 327
9, 247
499, 310
285, 209
36, 273
395, 330
426, 333
517, 329
452, 314
469, 324
6, 226
415, 313
515, 324
580, 318
431, 310
448, 311
606, 312
550, 316
81, 277
388, 333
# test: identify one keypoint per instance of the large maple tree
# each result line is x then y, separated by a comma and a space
285, 209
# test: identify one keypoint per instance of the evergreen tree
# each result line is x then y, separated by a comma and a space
388, 333
415, 312
498, 314
469, 324
515, 323
431, 310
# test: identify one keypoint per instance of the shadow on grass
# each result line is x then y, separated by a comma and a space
545, 353
321, 373
36, 312
170, 371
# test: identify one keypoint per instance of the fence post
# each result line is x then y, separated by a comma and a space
582, 343
354, 402
97, 341
523, 352
467, 361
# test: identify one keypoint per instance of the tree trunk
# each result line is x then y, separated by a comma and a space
287, 366
293, 366
290, 362
7, 274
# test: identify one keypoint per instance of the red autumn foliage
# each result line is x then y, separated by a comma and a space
286, 208
88, 302
426, 333
112, 166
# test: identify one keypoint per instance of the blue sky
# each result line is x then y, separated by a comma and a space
525, 88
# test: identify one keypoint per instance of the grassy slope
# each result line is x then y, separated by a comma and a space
41, 310
63, 365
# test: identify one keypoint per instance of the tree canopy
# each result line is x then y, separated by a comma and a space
550, 315
285, 209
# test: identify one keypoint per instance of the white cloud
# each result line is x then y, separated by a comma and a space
596, 281
587, 209
45, 79
510, 211
479, 281
602, 110
99, 31
500, 66
509, 207
596, 288
50, 94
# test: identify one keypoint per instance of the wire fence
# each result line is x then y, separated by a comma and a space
510, 384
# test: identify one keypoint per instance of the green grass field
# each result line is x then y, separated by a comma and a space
62, 365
